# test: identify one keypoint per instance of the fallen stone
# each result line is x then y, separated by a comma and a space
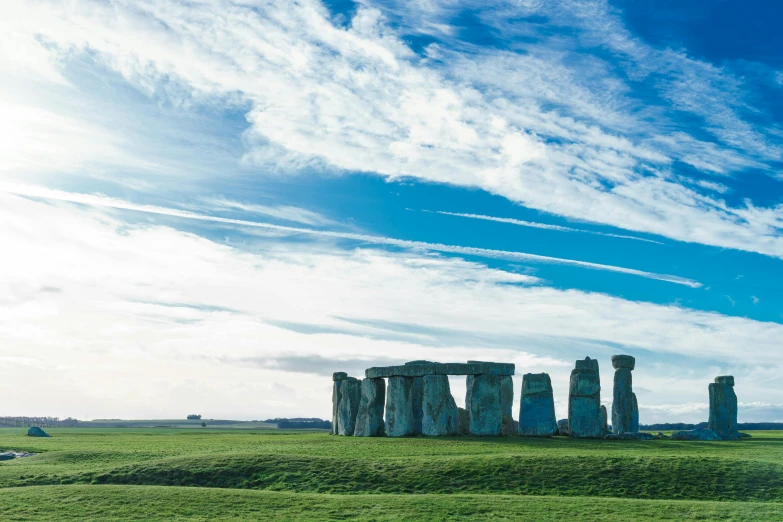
420, 369
537, 406
351, 391
440, 412
369, 419
399, 411
563, 428
584, 402
486, 416
723, 408
11, 455
35, 431
700, 434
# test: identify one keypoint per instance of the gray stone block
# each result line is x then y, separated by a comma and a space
623, 361
700, 434
723, 410
349, 406
537, 406
622, 405
417, 398
464, 421
399, 412
339, 376
506, 395
725, 379
584, 404
420, 369
336, 398
486, 410
604, 419
440, 413
635, 418
563, 428
369, 419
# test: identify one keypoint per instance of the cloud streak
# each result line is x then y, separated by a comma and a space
103, 201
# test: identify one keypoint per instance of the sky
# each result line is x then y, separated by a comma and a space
210, 206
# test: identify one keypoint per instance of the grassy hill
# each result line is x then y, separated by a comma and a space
134, 473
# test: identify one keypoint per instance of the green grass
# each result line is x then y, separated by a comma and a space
254, 474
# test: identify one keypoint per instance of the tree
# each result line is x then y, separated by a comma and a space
203, 424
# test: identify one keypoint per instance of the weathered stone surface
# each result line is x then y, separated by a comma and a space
339, 376
417, 369
369, 419
417, 398
631, 436
584, 402
468, 391
635, 418
604, 419
725, 379
35, 431
440, 413
464, 421
509, 426
563, 428
622, 405
399, 418
700, 434
337, 396
589, 364
351, 390
623, 361
723, 409
506, 395
486, 415
537, 406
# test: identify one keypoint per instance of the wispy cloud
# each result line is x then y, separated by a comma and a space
544, 226
548, 127
103, 201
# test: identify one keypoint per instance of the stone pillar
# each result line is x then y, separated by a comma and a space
337, 378
584, 400
351, 390
622, 405
417, 398
369, 419
723, 408
468, 390
399, 417
537, 406
635, 420
440, 413
604, 419
486, 408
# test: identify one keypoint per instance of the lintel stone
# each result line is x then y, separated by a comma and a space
420, 369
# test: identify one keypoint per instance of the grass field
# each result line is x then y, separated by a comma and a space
139, 474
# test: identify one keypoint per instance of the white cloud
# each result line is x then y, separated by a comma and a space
524, 126
103, 201
145, 320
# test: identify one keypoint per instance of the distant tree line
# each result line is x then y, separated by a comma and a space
193, 416
41, 422
299, 423
679, 426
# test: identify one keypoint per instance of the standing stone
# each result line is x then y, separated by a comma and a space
723, 408
589, 364
399, 418
584, 401
337, 395
351, 390
440, 413
537, 406
622, 405
464, 421
417, 398
369, 419
506, 394
468, 391
635, 419
563, 428
486, 408
604, 419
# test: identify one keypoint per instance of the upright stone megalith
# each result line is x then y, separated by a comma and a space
635, 421
537, 406
351, 391
440, 413
369, 419
486, 406
623, 404
723, 408
337, 378
399, 412
584, 400
604, 419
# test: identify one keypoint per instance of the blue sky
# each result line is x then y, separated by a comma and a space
213, 205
